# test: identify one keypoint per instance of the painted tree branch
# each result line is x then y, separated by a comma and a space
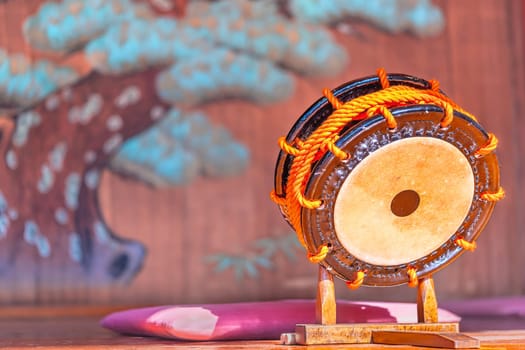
57, 150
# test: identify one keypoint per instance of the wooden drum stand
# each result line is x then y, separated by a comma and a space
385, 180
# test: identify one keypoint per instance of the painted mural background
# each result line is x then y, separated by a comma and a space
123, 115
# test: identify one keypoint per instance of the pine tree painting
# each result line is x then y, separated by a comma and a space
125, 96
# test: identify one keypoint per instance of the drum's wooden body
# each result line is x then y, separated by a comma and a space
404, 197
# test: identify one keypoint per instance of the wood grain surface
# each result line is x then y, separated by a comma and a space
85, 333
479, 60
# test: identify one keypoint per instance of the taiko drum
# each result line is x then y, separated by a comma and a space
387, 197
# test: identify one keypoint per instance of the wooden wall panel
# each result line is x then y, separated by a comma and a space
479, 61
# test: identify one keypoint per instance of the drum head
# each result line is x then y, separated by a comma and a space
391, 207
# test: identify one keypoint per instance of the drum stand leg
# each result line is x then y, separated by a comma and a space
427, 332
325, 307
427, 308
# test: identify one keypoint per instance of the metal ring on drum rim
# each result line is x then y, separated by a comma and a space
370, 142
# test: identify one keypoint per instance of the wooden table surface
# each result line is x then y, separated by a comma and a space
85, 333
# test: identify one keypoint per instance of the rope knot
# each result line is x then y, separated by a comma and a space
491, 145
470, 246
358, 281
286, 147
321, 254
385, 112
334, 101
383, 78
412, 277
277, 199
329, 145
494, 196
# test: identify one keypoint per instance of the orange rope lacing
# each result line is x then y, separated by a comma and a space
334, 101
322, 139
434, 85
277, 199
286, 147
494, 196
383, 78
385, 112
360, 276
471, 246
329, 145
322, 252
489, 147
412, 277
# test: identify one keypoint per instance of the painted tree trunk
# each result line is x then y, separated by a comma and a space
52, 158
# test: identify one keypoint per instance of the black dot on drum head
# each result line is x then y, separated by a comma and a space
405, 203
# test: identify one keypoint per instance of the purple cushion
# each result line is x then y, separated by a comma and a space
509, 306
257, 320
